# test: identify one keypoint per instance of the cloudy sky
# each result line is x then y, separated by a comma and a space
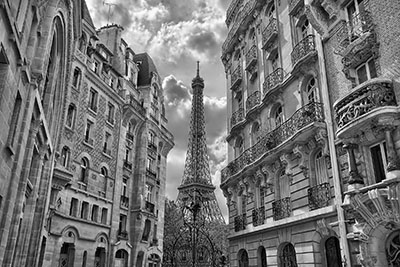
177, 33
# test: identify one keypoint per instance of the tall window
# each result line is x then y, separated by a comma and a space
146, 231
104, 212
107, 144
261, 257
149, 193
122, 222
261, 196
284, 185
275, 61
93, 99
354, 9
271, 12
104, 171
379, 161
128, 154
111, 112
278, 116
243, 258
124, 187
71, 116
85, 210
332, 248
366, 71
95, 213
73, 210
76, 78
65, 154
84, 170
243, 203
312, 90
288, 256
88, 130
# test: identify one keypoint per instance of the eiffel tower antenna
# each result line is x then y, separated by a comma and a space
109, 9
196, 185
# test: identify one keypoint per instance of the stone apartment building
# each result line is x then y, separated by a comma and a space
312, 89
84, 141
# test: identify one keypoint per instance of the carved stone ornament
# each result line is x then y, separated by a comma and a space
322, 227
322, 139
287, 162
269, 176
302, 152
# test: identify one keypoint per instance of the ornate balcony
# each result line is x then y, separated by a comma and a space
319, 196
294, 5
130, 99
232, 11
258, 216
149, 207
303, 117
269, 33
251, 57
282, 208
359, 26
124, 201
237, 116
304, 49
369, 101
272, 80
236, 77
240, 222
253, 100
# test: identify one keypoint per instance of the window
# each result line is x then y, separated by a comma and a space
111, 112
332, 250
65, 154
85, 210
275, 61
104, 171
146, 231
243, 258
261, 257
104, 212
96, 66
278, 116
284, 186
95, 213
261, 196
239, 146
84, 258
379, 161
88, 129
122, 223
312, 90
393, 249
321, 171
149, 193
73, 210
366, 71
76, 78
70, 116
14, 120
354, 9
124, 187
288, 256
128, 154
305, 29
150, 163
93, 99
243, 203
84, 170
107, 143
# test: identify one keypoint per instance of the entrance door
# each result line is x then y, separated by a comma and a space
332, 248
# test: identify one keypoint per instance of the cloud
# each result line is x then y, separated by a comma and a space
174, 91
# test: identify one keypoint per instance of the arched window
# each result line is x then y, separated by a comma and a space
332, 249
100, 257
84, 258
277, 116
261, 257
312, 90
71, 116
76, 78
67, 255
121, 258
104, 171
243, 258
304, 29
288, 256
84, 170
65, 154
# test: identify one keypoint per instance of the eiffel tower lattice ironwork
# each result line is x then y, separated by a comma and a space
196, 185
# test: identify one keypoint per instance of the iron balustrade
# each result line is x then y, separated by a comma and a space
272, 80
370, 96
308, 114
253, 100
269, 32
149, 207
125, 201
305, 47
358, 25
237, 117
236, 77
251, 56
240, 222
136, 105
258, 216
319, 196
282, 208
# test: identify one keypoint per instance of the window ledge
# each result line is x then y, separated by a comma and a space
111, 124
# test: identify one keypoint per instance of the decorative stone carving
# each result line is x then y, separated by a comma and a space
287, 162
302, 152
269, 176
322, 227
322, 139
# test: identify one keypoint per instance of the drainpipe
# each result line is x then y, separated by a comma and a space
332, 151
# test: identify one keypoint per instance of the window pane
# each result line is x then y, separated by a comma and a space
372, 69
377, 163
362, 74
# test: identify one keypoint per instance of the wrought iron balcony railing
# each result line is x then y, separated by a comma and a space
319, 196
369, 96
304, 48
269, 33
240, 222
149, 207
272, 80
253, 100
136, 105
124, 201
304, 116
258, 216
358, 25
282, 208
251, 57
237, 117
236, 77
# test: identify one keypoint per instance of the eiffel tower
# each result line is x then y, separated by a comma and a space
196, 185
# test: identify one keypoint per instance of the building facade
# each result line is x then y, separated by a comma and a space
85, 142
312, 133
